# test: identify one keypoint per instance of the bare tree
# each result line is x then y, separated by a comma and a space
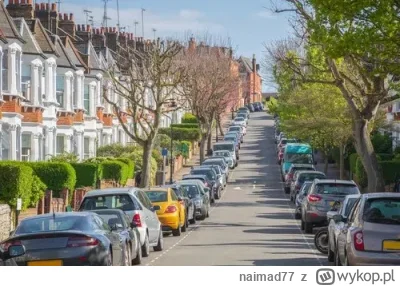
147, 77
209, 84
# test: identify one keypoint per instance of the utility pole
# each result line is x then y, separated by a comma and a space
154, 32
143, 10
59, 6
87, 12
118, 23
135, 23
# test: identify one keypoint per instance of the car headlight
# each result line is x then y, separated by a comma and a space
198, 203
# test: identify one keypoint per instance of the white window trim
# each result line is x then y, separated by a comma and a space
50, 80
13, 87
1, 79
79, 89
68, 81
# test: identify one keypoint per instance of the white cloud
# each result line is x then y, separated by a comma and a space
166, 25
266, 14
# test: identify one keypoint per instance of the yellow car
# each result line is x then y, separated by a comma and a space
171, 211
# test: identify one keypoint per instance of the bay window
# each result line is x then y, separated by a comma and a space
26, 82
60, 90
86, 98
4, 71
86, 148
60, 144
26, 146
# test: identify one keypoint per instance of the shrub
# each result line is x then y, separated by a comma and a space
137, 157
361, 174
189, 118
37, 190
87, 174
188, 146
182, 134
382, 143
385, 157
57, 176
65, 157
162, 141
115, 170
396, 150
114, 150
186, 125
131, 167
391, 171
16, 182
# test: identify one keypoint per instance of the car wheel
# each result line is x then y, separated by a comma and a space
212, 200
297, 215
331, 254
160, 243
127, 256
208, 212
108, 261
236, 164
146, 247
185, 224
138, 258
177, 232
193, 220
308, 227
287, 190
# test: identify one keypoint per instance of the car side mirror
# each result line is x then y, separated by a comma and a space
338, 218
11, 233
114, 227
133, 224
12, 252
156, 208
207, 190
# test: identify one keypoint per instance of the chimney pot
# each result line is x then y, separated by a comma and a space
60, 16
65, 17
42, 6
10, 2
88, 28
71, 17
102, 30
54, 7
114, 29
79, 27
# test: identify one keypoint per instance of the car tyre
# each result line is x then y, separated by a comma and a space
146, 247
109, 260
160, 243
236, 164
218, 194
297, 215
287, 190
138, 258
127, 256
193, 220
331, 254
308, 227
177, 232
185, 224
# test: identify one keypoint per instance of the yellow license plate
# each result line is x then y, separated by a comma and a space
46, 263
391, 245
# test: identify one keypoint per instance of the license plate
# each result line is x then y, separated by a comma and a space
45, 263
391, 245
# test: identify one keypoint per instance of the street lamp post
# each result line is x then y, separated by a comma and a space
173, 105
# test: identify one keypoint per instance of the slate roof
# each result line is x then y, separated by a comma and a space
245, 64
31, 46
73, 53
41, 37
7, 27
63, 60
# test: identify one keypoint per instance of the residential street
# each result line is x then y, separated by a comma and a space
253, 223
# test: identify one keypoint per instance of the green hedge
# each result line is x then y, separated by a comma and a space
131, 167
182, 134
186, 125
115, 170
57, 176
352, 162
385, 156
37, 191
189, 118
87, 174
16, 182
391, 171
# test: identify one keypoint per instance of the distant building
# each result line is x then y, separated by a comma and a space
268, 95
251, 79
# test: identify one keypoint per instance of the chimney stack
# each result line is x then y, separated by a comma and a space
20, 9
254, 63
67, 24
42, 13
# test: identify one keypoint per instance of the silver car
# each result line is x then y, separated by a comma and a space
200, 195
231, 160
336, 226
237, 128
371, 236
322, 196
136, 205
226, 146
239, 121
300, 197
221, 163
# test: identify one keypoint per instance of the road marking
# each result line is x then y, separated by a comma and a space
191, 230
237, 188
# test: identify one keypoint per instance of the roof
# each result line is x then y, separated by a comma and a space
41, 36
301, 165
223, 143
64, 59
31, 46
245, 64
108, 211
73, 53
380, 195
194, 176
188, 182
310, 172
60, 214
331, 181
110, 191
7, 26
160, 189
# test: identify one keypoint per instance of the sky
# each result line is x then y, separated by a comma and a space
247, 24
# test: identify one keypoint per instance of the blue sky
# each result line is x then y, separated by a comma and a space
245, 22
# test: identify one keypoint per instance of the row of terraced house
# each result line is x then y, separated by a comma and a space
51, 82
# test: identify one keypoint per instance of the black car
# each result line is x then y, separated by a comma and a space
69, 239
212, 177
250, 107
204, 179
182, 194
119, 223
199, 194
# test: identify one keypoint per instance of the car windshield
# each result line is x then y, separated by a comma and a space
229, 138
228, 147
122, 202
295, 169
224, 154
186, 178
382, 210
157, 196
336, 189
243, 115
52, 224
211, 162
206, 172
298, 158
310, 177
191, 190
239, 119
236, 128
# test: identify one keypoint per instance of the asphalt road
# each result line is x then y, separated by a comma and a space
253, 224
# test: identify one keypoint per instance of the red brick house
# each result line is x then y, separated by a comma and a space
251, 79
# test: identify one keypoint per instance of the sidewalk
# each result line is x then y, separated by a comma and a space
196, 157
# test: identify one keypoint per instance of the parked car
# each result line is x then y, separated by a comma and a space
336, 226
241, 129
283, 142
233, 138
221, 176
300, 177
66, 239
243, 109
290, 174
371, 235
170, 211
13, 251
244, 116
221, 163
237, 134
280, 155
200, 196
136, 205
226, 146
296, 153
300, 196
250, 107
246, 112
279, 136
322, 196
184, 199
211, 177
216, 176
231, 160
118, 221
239, 121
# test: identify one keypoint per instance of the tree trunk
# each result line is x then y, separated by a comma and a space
221, 131
146, 168
341, 161
326, 163
203, 140
365, 150
209, 143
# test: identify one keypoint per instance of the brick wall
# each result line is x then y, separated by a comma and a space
5, 221
65, 119
32, 115
11, 104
